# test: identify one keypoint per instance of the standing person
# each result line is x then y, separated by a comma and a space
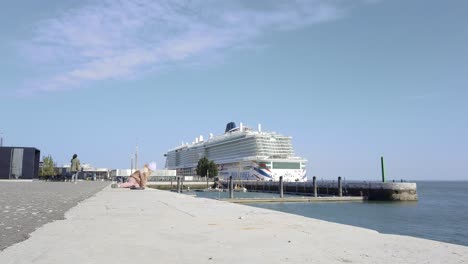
139, 178
75, 167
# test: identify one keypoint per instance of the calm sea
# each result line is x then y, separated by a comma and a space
440, 214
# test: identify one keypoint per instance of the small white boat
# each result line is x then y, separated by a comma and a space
240, 189
214, 189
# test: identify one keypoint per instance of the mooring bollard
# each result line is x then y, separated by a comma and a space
178, 184
182, 184
340, 187
281, 187
231, 188
314, 186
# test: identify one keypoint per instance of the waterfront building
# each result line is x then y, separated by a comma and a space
19, 162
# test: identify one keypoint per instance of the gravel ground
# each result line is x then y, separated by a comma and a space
25, 206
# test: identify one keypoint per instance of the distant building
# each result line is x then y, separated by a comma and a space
19, 163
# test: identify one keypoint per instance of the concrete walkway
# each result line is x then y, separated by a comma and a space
151, 226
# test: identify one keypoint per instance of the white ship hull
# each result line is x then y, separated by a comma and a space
253, 171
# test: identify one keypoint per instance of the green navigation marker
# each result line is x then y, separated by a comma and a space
383, 170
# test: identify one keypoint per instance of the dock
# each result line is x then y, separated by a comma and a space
372, 191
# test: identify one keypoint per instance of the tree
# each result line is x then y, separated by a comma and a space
47, 169
202, 167
212, 169
207, 167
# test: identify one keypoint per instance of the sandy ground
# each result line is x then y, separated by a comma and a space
152, 226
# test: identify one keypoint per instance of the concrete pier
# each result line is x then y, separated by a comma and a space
153, 226
377, 191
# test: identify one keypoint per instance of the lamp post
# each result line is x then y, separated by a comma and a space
136, 158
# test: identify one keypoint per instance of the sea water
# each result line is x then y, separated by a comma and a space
440, 214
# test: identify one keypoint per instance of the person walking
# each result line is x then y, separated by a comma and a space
75, 168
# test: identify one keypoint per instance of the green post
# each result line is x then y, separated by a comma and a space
383, 170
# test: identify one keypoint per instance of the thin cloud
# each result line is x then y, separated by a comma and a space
120, 38
428, 96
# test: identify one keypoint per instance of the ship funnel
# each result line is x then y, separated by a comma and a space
259, 127
201, 138
230, 126
211, 135
196, 139
241, 127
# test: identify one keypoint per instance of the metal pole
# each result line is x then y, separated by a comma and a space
136, 158
207, 173
340, 187
314, 186
178, 184
182, 183
383, 170
281, 187
231, 188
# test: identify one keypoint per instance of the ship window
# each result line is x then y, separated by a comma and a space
287, 165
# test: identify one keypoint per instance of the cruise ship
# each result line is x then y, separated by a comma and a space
242, 153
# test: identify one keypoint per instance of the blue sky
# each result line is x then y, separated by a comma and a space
348, 80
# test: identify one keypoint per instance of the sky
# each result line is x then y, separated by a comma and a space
350, 81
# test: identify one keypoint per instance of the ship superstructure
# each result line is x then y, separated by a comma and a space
242, 153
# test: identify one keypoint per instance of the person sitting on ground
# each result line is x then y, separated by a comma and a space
138, 179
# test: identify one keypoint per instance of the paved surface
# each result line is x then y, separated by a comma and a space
25, 206
153, 226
